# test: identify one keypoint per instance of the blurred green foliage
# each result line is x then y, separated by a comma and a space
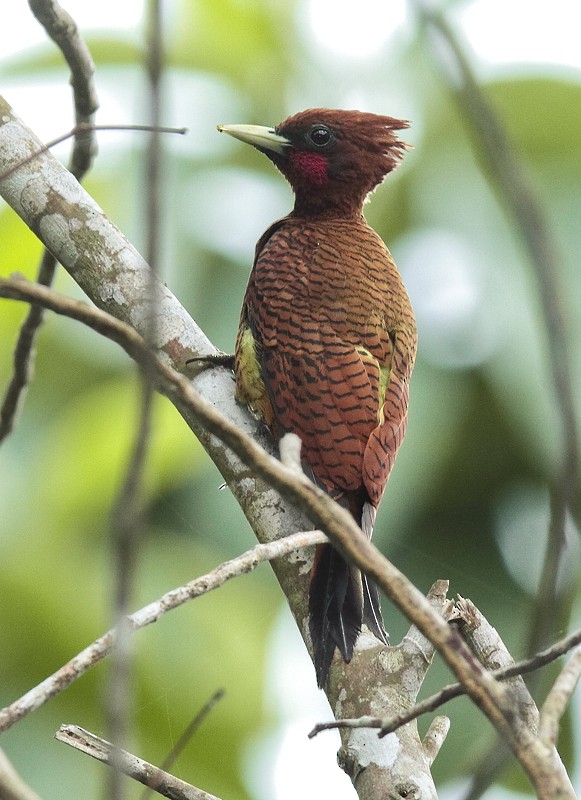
483, 432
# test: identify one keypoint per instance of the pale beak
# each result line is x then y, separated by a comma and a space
258, 135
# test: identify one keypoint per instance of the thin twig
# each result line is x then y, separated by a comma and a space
191, 728
435, 737
78, 129
62, 29
128, 514
487, 645
151, 613
558, 699
126, 525
509, 179
23, 358
154, 67
453, 690
156, 779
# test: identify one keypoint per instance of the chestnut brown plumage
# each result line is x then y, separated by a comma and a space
327, 340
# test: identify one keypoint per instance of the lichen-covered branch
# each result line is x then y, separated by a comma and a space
395, 675
489, 648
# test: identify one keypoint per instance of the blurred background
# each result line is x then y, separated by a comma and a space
469, 499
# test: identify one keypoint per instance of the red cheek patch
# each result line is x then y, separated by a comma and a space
311, 166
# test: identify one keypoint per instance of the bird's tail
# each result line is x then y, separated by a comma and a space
340, 600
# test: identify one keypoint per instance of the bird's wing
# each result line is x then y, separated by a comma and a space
387, 436
326, 391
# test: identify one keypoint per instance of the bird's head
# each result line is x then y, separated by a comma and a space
332, 159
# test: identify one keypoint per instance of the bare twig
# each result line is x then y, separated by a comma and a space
126, 525
78, 129
149, 614
290, 451
151, 776
60, 26
386, 725
154, 67
23, 358
510, 180
558, 699
508, 177
491, 650
435, 737
486, 644
453, 690
544, 657
62, 29
128, 514
188, 733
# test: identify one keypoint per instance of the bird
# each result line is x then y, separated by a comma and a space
327, 340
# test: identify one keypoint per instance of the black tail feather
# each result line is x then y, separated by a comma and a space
340, 600
335, 609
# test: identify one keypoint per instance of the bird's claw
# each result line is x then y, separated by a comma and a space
213, 360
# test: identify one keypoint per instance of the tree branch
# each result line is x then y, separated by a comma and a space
510, 180
117, 279
154, 778
511, 669
101, 647
558, 699
187, 734
334, 520
62, 29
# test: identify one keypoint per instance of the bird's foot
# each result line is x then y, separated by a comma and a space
215, 360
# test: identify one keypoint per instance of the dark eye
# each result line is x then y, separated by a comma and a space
320, 135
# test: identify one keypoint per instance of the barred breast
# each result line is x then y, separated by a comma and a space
326, 348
